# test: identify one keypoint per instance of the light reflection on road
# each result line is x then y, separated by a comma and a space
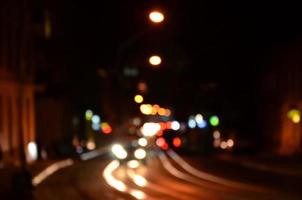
118, 184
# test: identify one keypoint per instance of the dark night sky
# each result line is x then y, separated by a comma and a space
213, 51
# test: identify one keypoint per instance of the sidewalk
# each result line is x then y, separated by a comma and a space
290, 166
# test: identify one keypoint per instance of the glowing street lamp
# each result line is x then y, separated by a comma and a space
156, 17
138, 98
155, 60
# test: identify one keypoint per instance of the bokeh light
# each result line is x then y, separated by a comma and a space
198, 118
106, 128
203, 124
177, 142
138, 98
156, 17
216, 134
294, 115
96, 119
230, 143
149, 129
88, 115
192, 123
146, 109
175, 125
142, 142
155, 60
140, 153
214, 120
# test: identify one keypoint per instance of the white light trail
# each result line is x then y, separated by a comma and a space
50, 170
206, 176
113, 182
117, 184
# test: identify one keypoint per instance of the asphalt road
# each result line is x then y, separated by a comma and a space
166, 176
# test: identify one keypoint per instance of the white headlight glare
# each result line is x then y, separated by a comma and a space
119, 151
140, 153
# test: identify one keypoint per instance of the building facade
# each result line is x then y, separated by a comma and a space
17, 121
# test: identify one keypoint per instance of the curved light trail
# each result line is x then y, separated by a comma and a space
120, 185
206, 176
50, 170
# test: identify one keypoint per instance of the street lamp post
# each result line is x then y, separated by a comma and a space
156, 17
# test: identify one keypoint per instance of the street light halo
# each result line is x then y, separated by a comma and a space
156, 16
155, 60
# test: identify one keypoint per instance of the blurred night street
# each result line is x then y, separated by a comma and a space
128, 99
163, 178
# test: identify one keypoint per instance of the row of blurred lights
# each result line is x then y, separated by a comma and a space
223, 144
199, 121
148, 109
96, 123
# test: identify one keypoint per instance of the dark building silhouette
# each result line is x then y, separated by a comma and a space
17, 105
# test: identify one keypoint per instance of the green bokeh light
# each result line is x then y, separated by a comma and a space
214, 120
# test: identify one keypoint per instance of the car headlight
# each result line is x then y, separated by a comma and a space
140, 153
119, 151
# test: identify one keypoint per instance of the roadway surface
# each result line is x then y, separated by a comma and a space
166, 176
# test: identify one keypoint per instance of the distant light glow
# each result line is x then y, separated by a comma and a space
216, 134
155, 60
119, 151
88, 115
32, 151
133, 164
156, 17
146, 109
136, 121
175, 125
95, 127
140, 153
96, 119
149, 129
192, 123
142, 142
160, 141
294, 115
90, 145
216, 143
168, 112
203, 124
161, 111
214, 120
165, 146
230, 143
163, 125
223, 145
198, 118
177, 142
155, 109
159, 133
138, 98
106, 128
142, 86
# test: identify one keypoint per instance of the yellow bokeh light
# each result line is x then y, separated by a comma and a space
155, 60
155, 109
146, 109
161, 111
138, 98
156, 17
294, 115
168, 112
296, 118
